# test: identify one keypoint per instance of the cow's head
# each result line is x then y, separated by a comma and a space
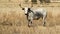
26, 9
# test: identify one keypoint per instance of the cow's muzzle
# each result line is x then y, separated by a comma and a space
25, 14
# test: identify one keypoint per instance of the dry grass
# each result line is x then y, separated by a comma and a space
13, 20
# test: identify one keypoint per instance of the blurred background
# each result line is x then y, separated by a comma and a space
13, 20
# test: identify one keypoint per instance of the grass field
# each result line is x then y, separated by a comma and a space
13, 20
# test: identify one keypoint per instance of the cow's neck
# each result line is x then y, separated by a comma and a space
29, 11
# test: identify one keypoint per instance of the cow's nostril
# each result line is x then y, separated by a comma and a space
25, 14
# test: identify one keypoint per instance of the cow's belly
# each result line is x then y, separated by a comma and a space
38, 15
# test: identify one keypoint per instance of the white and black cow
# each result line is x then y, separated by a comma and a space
35, 14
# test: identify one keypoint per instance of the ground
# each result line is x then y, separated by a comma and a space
13, 20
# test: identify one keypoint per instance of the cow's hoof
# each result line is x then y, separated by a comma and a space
44, 24
29, 25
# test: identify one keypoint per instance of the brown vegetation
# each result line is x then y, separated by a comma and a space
13, 20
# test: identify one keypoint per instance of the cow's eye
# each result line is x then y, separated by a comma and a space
22, 8
28, 8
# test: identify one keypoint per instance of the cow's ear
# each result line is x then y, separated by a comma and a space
28, 8
22, 8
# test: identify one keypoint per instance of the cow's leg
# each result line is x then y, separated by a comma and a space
44, 21
44, 18
30, 22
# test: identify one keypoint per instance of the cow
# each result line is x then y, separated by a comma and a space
35, 14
